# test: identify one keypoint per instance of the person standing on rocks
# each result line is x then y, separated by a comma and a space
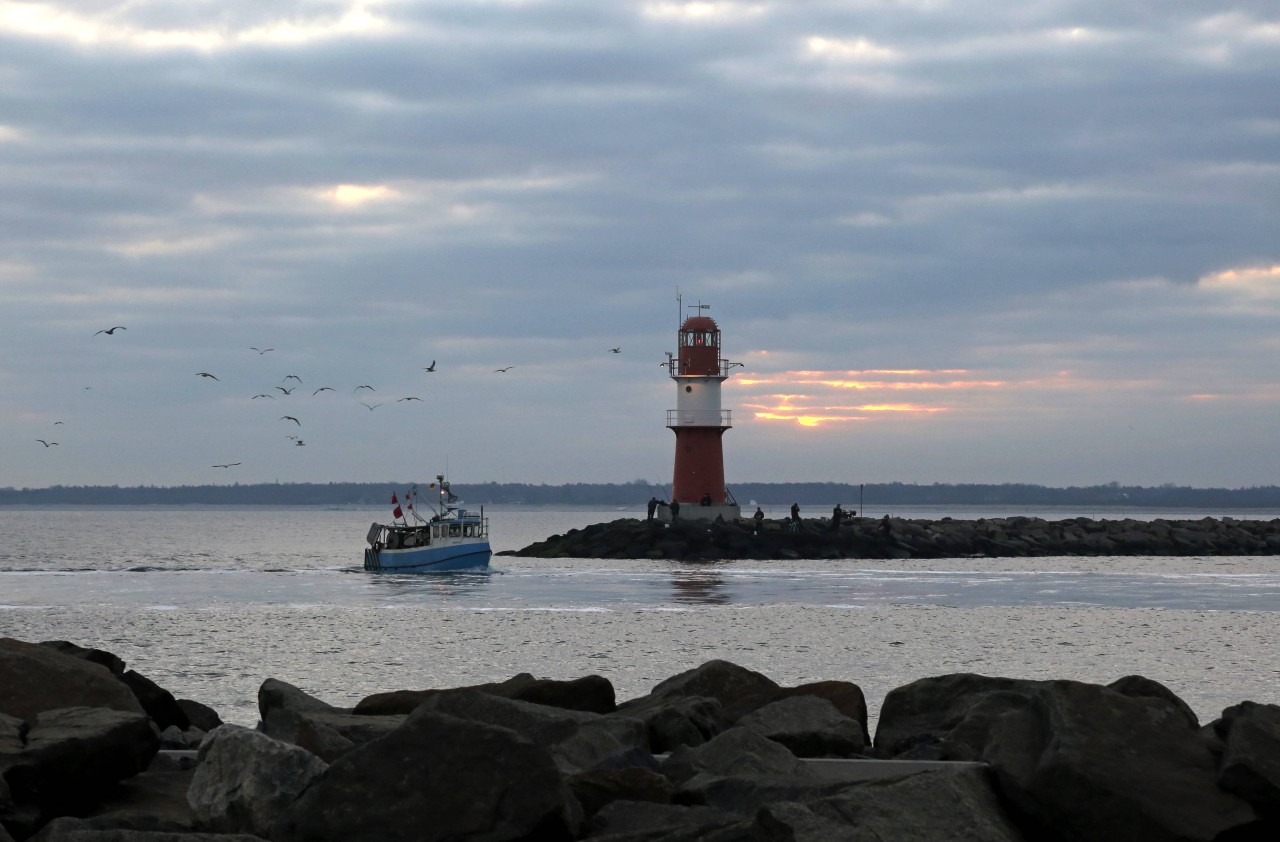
795, 517
838, 514
759, 519
675, 510
885, 526
653, 506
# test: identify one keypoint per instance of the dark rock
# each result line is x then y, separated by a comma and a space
158, 702
199, 715
1081, 761
276, 694
1141, 686
35, 678
592, 693
639, 821
246, 779
74, 755
945, 717
97, 656
595, 788
808, 726
12, 734
577, 740
302, 729
845, 695
673, 721
80, 830
437, 778
738, 752
737, 689
920, 807
1250, 765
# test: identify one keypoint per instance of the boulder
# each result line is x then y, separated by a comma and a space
437, 778
12, 734
1138, 685
79, 830
97, 656
246, 779
276, 694
591, 693
200, 715
1250, 765
808, 726
1081, 761
737, 689
945, 717
577, 740
301, 729
845, 695
158, 702
737, 752
35, 678
639, 821
673, 721
595, 788
920, 807
74, 755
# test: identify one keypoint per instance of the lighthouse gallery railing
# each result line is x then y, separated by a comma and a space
699, 418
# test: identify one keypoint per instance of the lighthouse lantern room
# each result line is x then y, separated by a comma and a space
699, 423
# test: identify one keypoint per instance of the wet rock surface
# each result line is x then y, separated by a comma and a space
1012, 537
715, 752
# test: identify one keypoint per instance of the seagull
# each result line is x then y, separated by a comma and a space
206, 374
227, 465
508, 368
290, 418
286, 435
286, 391
56, 423
322, 389
358, 388
615, 350
255, 397
410, 398
293, 377
372, 407
260, 351
47, 443
431, 367
111, 331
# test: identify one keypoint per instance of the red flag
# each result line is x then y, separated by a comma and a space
395, 513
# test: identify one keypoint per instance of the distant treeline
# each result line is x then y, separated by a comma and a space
877, 496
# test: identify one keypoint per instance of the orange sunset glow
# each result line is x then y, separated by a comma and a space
819, 404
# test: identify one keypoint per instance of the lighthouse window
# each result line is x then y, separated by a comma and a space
688, 388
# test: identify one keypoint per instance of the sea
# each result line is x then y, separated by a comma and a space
211, 601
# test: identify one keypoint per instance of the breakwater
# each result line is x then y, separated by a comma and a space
895, 538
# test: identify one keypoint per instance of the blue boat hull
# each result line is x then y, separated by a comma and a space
470, 556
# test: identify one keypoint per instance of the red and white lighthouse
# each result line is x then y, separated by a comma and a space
699, 423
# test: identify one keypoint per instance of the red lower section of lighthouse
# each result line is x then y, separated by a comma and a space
699, 465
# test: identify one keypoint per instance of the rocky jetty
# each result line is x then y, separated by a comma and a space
890, 537
719, 752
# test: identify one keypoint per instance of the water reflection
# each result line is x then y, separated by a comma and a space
699, 588
459, 585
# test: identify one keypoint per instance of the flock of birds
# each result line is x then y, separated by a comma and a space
286, 390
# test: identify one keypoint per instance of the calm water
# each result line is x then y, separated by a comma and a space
211, 601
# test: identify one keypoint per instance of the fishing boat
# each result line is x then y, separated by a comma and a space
453, 538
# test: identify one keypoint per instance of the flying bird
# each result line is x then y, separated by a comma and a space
372, 407
499, 370
293, 377
47, 443
322, 389
111, 331
410, 398
290, 418
358, 388
286, 391
206, 374
56, 423
260, 351
227, 465
286, 435
255, 397
431, 367
615, 350
300, 443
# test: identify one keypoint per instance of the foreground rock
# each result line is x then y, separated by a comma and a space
718, 752
903, 538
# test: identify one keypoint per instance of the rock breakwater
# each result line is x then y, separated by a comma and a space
889, 538
716, 752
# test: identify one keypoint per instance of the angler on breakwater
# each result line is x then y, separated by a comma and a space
862, 537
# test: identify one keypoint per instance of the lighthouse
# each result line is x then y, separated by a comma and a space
699, 423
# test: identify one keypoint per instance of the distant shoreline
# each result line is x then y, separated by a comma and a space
877, 496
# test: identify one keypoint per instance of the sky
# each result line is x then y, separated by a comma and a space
953, 242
